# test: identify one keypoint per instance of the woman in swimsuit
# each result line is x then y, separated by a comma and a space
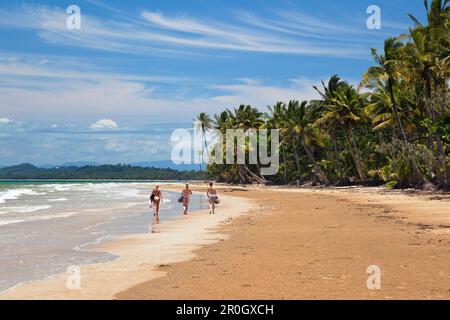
157, 199
186, 196
212, 195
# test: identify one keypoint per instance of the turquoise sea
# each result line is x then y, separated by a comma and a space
46, 226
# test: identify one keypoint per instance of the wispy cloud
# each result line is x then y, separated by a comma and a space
24, 67
155, 33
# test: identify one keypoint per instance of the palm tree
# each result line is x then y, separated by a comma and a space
437, 13
380, 108
228, 173
276, 118
427, 61
345, 109
389, 70
244, 117
329, 90
204, 123
328, 93
406, 104
222, 121
300, 126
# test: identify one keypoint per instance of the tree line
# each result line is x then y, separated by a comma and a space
106, 172
392, 128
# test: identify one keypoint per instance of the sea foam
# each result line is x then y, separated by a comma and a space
13, 194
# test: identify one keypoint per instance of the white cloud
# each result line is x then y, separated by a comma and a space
121, 99
260, 95
104, 124
5, 120
62, 69
101, 95
154, 33
46, 92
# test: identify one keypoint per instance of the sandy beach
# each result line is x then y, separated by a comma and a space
142, 257
277, 243
318, 244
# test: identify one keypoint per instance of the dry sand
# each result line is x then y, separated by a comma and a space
318, 244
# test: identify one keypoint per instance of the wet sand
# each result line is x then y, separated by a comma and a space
142, 257
318, 244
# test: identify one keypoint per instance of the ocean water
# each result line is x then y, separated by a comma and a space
46, 227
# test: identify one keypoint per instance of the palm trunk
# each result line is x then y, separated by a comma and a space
247, 176
336, 155
285, 165
440, 156
206, 146
254, 176
355, 159
296, 157
394, 106
242, 177
317, 170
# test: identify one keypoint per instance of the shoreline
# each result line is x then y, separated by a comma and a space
307, 186
140, 257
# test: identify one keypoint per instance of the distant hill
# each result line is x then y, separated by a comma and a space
25, 168
119, 172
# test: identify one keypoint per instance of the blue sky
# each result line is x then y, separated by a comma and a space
114, 90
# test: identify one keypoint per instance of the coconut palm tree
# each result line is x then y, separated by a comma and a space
300, 126
204, 123
345, 109
426, 60
244, 117
389, 70
276, 119
222, 121
398, 130
437, 13
328, 92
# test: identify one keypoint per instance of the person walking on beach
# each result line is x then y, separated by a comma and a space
186, 197
212, 196
156, 199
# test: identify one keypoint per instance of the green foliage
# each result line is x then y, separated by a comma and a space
106, 172
397, 132
391, 184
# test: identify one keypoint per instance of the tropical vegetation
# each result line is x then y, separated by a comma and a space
100, 172
392, 128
